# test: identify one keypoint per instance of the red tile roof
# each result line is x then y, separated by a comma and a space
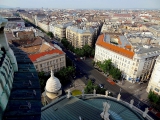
34, 57
114, 48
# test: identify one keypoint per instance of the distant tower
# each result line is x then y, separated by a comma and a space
52, 89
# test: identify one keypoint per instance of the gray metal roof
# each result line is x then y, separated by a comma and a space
25, 98
70, 109
88, 109
117, 111
81, 31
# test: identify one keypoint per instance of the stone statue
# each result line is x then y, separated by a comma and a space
131, 103
105, 114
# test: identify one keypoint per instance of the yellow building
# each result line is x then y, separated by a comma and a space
80, 37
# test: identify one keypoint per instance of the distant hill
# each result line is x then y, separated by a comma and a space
4, 6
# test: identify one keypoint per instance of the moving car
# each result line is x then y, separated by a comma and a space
101, 85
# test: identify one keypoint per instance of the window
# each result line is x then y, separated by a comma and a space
156, 89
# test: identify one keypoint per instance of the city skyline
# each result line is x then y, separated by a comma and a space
82, 4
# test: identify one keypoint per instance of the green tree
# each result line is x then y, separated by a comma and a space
153, 97
87, 50
106, 65
90, 87
64, 74
65, 43
42, 79
50, 34
93, 52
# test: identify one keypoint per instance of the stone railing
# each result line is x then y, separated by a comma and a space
87, 96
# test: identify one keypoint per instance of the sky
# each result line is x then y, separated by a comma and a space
84, 4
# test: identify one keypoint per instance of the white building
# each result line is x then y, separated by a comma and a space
154, 83
133, 61
48, 57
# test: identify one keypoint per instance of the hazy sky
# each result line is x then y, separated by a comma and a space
82, 3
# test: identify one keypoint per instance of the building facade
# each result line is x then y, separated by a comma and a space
154, 83
80, 37
133, 61
60, 30
44, 61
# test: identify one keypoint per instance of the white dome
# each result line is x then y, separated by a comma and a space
53, 85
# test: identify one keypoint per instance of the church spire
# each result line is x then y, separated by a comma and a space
52, 73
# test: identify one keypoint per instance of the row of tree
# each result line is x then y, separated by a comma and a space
86, 50
63, 75
90, 88
108, 67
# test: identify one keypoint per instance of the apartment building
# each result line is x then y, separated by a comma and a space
154, 83
46, 60
44, 25
60, 30
132, 60
79, 37
155, 30
110, 26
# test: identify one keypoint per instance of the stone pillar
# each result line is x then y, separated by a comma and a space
82, 93
69, 93
145, 112
94, 92
131, 103
106, 93
118, 97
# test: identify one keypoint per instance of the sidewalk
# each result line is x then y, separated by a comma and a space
78, 85
138, 90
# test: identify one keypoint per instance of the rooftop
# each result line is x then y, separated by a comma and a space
25, 98
88, 109
81, 31
123, 48
34, 57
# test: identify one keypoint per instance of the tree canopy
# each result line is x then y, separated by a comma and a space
107, 67
63, 75
50, 34
81, 52
90, 87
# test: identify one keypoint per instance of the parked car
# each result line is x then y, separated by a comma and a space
106, 74
116, 81
92, 79
101, 85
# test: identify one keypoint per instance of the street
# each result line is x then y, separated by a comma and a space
86, 67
